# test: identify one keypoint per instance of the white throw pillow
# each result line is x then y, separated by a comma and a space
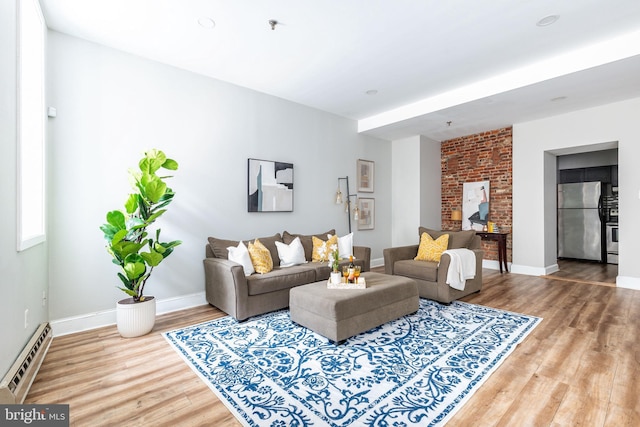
291, 254
241, 256
345, 246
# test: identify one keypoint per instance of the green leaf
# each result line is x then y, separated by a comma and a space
117, 219
170, 164
133, 270
152, 161
159, 248
125, 249
109, 231
155, 216
117, 238
127, 283
155, 189
131, 205
152, 258
129, 292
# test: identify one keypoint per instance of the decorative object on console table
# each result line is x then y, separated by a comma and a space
365, 176
501, 238
270, 186
456, 216
367, 213
475, 205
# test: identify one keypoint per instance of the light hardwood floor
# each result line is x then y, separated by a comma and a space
580, 366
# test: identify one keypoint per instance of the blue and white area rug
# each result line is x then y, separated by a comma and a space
415, 371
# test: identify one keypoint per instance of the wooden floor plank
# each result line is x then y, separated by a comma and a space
578, 367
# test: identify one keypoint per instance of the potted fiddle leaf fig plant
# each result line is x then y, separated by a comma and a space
134, 247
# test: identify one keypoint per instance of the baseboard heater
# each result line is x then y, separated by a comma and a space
16, 384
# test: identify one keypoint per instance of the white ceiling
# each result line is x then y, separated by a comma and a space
480, 65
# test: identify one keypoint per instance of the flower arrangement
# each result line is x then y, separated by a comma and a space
335, 263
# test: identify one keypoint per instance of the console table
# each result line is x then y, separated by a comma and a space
501, 238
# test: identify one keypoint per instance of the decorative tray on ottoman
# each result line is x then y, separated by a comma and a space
361, 284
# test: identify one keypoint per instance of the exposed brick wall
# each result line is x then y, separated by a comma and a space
487, 156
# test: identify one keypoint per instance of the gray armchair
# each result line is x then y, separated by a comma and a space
430, 276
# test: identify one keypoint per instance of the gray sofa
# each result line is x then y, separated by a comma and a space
431, 276
227, 287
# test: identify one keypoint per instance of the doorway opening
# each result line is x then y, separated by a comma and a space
587, 209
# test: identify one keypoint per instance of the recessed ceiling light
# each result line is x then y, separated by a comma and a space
207, 23
547, 20
372, 92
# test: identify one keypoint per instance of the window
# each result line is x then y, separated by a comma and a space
31, 125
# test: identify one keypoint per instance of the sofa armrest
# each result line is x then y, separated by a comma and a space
363, 253
226, 286
391, 255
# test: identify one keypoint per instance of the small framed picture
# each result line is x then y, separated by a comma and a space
366, 176
367, 215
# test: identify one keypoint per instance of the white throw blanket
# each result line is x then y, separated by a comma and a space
461, 268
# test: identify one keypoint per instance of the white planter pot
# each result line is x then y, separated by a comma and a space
336, 278
135, 319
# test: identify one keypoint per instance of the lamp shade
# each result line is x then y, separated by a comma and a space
456, 215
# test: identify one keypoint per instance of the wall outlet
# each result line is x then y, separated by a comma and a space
44, 298
26, 318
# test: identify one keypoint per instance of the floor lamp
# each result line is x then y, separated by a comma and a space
339, 200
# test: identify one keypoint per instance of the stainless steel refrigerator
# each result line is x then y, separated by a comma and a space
580, 221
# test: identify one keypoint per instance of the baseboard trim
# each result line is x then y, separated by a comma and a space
533, 271
378, 262
628, 282
99, 319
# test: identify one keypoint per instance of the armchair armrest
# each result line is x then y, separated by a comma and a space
363, 253
391, 255
445, 260
226, 286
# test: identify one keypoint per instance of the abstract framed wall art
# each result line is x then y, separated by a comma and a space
475, 205
366, 175
367, 214
270, 186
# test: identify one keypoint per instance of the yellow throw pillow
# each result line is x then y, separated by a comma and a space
431, 250
260, 257
322, 249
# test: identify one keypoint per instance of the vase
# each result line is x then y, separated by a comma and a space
135, 319
336, 277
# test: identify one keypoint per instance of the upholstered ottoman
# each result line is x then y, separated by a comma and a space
342, 313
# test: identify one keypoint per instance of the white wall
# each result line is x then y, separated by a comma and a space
416, 186
430, 184
24, 274
112, 106
535, 144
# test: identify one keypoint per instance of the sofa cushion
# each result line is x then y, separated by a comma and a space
422, 270
306, 241
345, 246
270, 243
260, 257
430, 249
219, 246
280, 278
322, 248
291, 254
240, 254
457, 239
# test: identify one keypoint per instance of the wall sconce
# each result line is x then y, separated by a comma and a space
347, 204
456, 215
